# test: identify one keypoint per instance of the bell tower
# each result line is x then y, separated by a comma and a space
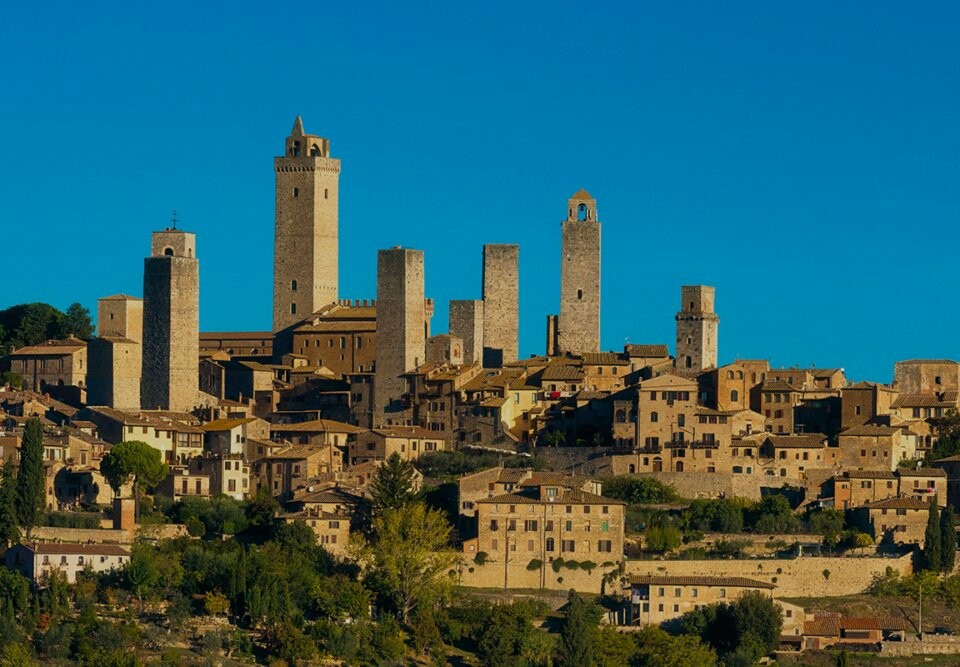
578, 328
305, 247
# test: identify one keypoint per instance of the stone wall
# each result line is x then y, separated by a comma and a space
466, 322
501, 304
497, 574
794, 577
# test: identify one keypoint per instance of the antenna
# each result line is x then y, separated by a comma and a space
174, 219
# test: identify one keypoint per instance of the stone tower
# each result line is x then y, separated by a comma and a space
305, 245
171, 323
401, 325
578, 329
466, 322
696, 329
501, 304
115, 356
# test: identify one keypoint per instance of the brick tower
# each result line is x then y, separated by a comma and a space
305, 243
401, 325
171, 323
696, 329
579, 327
501, 304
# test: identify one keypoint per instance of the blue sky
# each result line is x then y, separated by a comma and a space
801, 157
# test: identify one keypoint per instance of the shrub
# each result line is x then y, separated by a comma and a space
556, 564
481, 558
534, 564
588, 565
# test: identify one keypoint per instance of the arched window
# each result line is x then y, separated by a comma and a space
734, 395
632, 469
679, 466
314, 151
729, 375
551, 544
168, 251
296, 149
633, 416
654, 417
621, 416
293, 285
739, 375
582, 212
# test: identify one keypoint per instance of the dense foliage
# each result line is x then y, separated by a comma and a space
30, 477
639, 490
34, 323
743, 630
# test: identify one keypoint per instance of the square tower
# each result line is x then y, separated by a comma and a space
466, 323
697, 326
578, 329
171, 323
305, 246
401, 325
501, 304
115, 356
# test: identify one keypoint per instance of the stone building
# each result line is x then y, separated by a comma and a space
54, 363
116, 354
926, 376
401, 330
865, 402
899, 520
498, 481
654, 599
36, 561
445, 349
501, 304
876, 447
736, 386
466, 323
578, 329
171, 323
697, 325
305, 247
410, 442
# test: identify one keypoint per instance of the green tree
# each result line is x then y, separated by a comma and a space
141, 572
135, 459
639, 490
657, 648
773, 515
579, 634
948, 539
947, 443
11, 379
77, 322
410, 558
719, 516
662, 538
745, 629
392, 486
932, 541
30, 478
9, 528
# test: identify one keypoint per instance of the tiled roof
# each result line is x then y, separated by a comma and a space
591, 395
872, 430
641, 350
407, 432
604, 359
927, 361
776, 385
512, 475
822, 626
558, 478
806, 440
62, 549
868, 474
562, 372
898, 504
226, 424
872, 623
732, 582
51, 347
921, 472
316, 426
947, 399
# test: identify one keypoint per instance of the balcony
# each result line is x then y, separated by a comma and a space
691, 444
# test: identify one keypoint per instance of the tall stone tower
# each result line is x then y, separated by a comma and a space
579, 327
171, 323
466, 322
401, 325
501, 304
696, 329
115, 356
305, 245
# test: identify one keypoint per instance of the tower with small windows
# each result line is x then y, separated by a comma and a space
305, 247
170, 377
578, 329
697, 326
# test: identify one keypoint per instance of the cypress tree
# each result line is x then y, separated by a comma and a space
931, 538
392, 487
948, 540
30, 478
9, 529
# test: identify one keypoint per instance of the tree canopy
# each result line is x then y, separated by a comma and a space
392, 487
30, 478
33, 323
133, 459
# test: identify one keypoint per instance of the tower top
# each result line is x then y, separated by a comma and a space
173, 243
297, 130
301, 144
582, 207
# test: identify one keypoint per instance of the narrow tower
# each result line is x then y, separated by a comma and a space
696, 329
501, 304
401, 325
466, 322
171, 323
305, 243
579, 327
115, 356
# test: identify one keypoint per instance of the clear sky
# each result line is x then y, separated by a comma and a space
801, 157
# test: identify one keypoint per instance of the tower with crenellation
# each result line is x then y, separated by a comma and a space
305, 248
697, 325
